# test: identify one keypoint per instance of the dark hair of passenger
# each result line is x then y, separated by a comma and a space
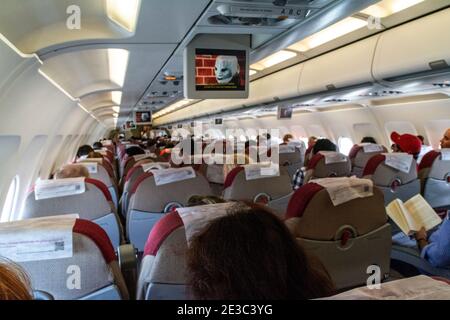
84, 151
97, 146
421, 138
368, 140
134, 151
324, 145
196, 201
250, 254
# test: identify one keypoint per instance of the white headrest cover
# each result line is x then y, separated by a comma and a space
172, 175
342, 190
261, 171
333, 157
38, 239
399, 161
48, 189
195, 219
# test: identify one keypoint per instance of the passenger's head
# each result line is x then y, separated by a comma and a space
368, 140
445, 141
288, 137
250, 254
72, 171
311, 141
14, 282
196, 201
324, 145
407, 143
421, 138
94, 155
97, 146
84, 151
134, 151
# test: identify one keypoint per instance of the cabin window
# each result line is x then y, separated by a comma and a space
10, 200
345, 145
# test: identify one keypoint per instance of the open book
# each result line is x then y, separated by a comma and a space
412, 215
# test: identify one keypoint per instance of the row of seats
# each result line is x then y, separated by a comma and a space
148, 209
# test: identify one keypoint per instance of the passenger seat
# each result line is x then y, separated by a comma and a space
434, 175
361, 153
347, 237
91, 272
95, 204
326, 164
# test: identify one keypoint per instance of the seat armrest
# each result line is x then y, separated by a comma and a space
127, 256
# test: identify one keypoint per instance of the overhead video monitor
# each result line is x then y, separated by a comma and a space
192, 124
180, 126
130, 125
169, 127
219, 122
217, 67
284, 112
143, 117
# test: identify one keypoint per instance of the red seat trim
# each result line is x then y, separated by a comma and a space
315, 160
300, 200
428, 159
162, 229
139, 180
101, 186
131, 171
373, 164
98, 235
231, 176
355, 149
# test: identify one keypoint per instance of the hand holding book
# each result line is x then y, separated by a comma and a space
413, 215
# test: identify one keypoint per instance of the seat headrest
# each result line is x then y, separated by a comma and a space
428, 159
312, 215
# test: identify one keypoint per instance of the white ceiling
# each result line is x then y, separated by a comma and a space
77, 59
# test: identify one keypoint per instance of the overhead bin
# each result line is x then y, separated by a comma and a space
414, 49
345, 67
278, 86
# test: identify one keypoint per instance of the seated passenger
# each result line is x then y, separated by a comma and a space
134, 151
94, 155
406, 143
14, 282
320, 145
311, 141
287, 138
368, 140
196, 201
436, 248
445, 141
72, 171
97, 146
425, 148
83, 152
250, 254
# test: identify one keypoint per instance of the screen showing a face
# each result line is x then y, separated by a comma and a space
219, 122
143, 117
220, 70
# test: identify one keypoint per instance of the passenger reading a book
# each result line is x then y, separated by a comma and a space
418, 222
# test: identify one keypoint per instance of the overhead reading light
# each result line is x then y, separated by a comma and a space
253, 72
124, 13
273, 59
332, 32
118, 65
388, 7
116, 97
